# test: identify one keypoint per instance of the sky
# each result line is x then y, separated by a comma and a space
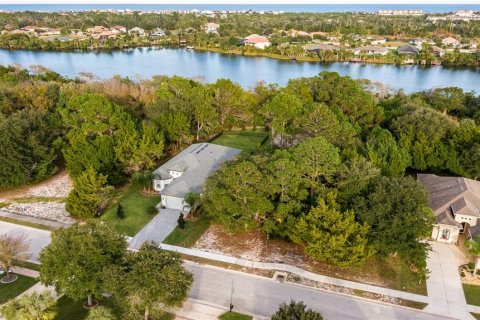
241, 1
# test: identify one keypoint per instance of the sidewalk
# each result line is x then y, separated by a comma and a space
194, 309
297, 271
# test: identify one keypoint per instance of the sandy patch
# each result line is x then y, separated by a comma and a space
53, 211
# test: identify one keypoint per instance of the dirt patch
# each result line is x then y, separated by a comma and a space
254, 246
57, 186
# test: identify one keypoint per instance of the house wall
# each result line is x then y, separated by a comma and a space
170, 202
440, 230
472, 221
159, 184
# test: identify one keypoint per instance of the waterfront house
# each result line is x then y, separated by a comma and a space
157, 32
187, 172
256, 41
118, 29
376, 40
139, 32
438, 52
211, 27
450, 42
105, 35
455, 202
408, 49
97, 29
371, 50
320, 47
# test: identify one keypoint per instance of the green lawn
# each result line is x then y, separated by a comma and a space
67, 309
246, 141
476, 315
11, 290
188, 236
234, 316
472, 294
139, 210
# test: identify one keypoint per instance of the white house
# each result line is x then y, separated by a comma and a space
118, 29
136, 32
371, 50
157, 32
211, 27
187, 172
256, 41
450, 42
455, 202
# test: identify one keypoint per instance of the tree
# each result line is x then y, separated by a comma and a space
383, 151
12, 247
296, 311
231, 100
398, 213
316, 159
120, 211
204, 114
331, 235
473, 246
89, 194
181, 221
73, 262
100, 313
148, 281
236, 196
31, 307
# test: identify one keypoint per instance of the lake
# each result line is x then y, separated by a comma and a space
142, 63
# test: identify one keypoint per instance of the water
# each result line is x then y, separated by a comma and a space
429, 8
247, 71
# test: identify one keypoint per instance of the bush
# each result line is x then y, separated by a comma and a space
120, 211
471, 265
181, 221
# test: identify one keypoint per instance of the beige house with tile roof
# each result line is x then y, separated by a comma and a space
455, 202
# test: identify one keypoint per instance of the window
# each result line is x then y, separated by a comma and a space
445, 234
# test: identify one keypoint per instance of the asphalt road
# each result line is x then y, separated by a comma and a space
262, 296
38, 239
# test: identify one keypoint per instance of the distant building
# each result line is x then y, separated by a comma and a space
400, 12
374, 40
371, 50
408, 49
105, 35
136, 32
256, 41
97, 29
450, 42
157, 32
211, 27
438, 52
320, 47
118, 29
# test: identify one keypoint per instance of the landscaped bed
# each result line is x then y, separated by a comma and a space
11, 290
246, 141
234, 316
390, 272
139, 210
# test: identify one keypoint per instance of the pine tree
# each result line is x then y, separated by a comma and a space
89, 194
120, 211
332, 235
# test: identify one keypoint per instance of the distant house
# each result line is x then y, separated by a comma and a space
187, 172
375, 40
450, 42
438, 52
211, 27
48, 32
136, 32
320, 47
105, 35
371, 50
118, 29
408, 49
157, 32
455, 202
256, 41
97, 29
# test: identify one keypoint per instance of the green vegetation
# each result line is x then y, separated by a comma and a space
32, 306
11, 290
190, 234
26, 265
476, 315
139, 210
234, 316
472, 294
246, 141
296, 310
26, 223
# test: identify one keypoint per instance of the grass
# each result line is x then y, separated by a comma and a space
246, 141
27, 223
11, 290
190, 234
67, 309
476, 315
234, 316
472, 294
139, 210
26, 265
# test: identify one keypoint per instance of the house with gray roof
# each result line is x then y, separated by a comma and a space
320, 47
455, 202
187, 172
408, 49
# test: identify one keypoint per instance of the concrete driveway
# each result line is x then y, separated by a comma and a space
39, 239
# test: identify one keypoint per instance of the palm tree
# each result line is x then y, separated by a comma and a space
100, 313
31, 307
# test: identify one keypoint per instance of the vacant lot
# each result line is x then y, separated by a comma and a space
139, 210
246, 141
390, 272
